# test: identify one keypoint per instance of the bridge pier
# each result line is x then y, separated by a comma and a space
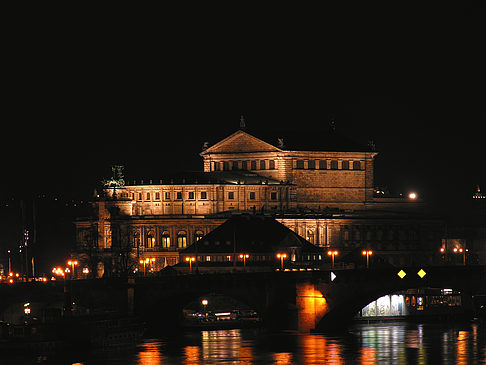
311, 306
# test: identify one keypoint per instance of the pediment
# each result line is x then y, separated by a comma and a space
238, 142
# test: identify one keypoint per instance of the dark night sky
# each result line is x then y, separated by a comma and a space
82, 94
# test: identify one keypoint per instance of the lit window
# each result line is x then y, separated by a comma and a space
208, 258
181, 239
165, 239
150, 241
157, 196
148, 196
198, 235
310, 235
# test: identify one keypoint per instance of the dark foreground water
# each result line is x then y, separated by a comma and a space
390, 343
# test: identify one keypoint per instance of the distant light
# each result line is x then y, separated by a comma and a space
412, 195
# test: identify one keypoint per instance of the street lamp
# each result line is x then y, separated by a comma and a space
281, 256
367, 254
190, 260
144, 262
332, 254
72, 263
204, 302
244, 256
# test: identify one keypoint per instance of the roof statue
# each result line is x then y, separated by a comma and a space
280, 142
371, 144
116, 180
242, 122
205, 145
332, 122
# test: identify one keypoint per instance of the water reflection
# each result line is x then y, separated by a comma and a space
397, 343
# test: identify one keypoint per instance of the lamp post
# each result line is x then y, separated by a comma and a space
204, 302
367, 253
281, 256
72, 263
244, 256
190, 260
332, 254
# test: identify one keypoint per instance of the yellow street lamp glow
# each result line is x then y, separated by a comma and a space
281, 256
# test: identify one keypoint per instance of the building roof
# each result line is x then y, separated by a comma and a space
233, 177
319, 140
250, 234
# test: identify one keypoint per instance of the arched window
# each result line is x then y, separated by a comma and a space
310, 235
181, 239
165, 239
136, 240
198, 235
150, 240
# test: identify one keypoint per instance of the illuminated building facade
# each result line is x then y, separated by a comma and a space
323, 191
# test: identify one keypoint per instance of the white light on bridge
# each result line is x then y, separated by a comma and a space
333, 276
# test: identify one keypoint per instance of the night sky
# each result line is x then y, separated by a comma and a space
80, 96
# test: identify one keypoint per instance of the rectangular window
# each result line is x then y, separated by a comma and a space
204, 195
190, 195
167, 195
312, 164
345, 165
300, 164
157, 195
273, 195
262, 165
334, 165
271, 164
179, 195
253, 165
244, 165
231, 195
139, 196
322, 164
356, 165
148, 196
252, 195
234, 165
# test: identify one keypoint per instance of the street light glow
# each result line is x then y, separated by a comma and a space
412, 195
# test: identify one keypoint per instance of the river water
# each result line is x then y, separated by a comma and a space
388, 343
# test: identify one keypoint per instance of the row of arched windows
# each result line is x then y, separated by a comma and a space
328, 165
164, 241
243, 165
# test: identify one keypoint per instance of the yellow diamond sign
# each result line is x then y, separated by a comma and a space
421, 273
401, 274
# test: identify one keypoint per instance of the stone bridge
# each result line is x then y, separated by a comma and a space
303, 300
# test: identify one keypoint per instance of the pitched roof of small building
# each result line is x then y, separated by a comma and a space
250, 234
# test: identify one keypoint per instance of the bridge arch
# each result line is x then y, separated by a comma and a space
357, 288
